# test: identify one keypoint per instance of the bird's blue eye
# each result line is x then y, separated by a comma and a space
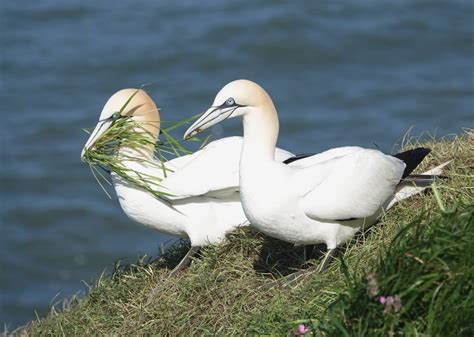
230, 101
116, 115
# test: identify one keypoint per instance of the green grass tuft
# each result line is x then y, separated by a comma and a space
429, 267
125, 132
221, 294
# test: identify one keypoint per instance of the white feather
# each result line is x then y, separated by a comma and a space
325, 198
204, 187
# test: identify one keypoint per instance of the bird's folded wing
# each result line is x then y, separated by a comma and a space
313, 159
179, 162
213, 168
354, 186
213, 171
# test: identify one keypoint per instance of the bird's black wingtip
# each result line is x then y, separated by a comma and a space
298, 157
412, 158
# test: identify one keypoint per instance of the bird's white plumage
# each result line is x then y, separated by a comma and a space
202, 219
355, 185
326, 202
203, 186
325, 198
212, 171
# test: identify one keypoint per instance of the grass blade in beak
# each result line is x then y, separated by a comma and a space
102, 152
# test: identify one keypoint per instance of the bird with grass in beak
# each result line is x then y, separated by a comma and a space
200, 190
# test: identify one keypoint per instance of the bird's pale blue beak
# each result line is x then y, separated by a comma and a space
212, 116
100, 128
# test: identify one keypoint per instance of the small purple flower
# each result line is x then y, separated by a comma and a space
391, 302
302, 330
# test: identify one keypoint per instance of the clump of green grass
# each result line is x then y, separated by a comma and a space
222, 293
422, 286
104, 155
125, 132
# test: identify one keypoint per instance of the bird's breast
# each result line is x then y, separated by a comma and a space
262, 194
143, 208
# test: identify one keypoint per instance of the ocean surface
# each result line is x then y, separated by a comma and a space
340, 73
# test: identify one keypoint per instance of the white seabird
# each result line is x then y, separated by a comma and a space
323, 198
202, 187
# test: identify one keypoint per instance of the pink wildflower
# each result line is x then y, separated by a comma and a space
302, 330
391, 303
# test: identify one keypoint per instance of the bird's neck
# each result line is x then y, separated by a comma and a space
143, 148
139, 164
260, 136
143, 153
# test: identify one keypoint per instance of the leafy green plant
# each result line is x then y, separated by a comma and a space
422, 286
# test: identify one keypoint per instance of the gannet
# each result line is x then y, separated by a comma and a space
203, 198
322, 198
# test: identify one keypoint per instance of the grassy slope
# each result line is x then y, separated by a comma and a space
220, 293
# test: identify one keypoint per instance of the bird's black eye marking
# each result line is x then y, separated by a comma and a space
230, 101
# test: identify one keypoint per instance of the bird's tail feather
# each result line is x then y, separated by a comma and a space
415, 184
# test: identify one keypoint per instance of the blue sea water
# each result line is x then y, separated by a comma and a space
340, 73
